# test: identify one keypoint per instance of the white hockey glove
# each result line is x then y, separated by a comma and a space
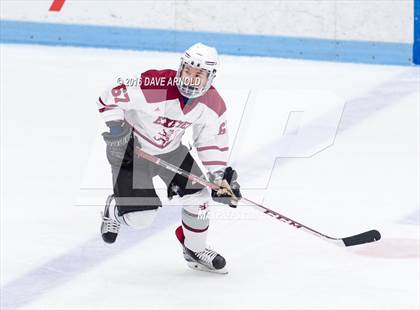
119, 148
229, 191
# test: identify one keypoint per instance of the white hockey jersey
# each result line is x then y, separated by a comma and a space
159, 116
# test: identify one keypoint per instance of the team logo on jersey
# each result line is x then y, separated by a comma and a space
164, 137
171, 123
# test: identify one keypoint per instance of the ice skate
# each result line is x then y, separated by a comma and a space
110, 226
207, 260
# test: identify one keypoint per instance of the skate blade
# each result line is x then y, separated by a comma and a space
200, 267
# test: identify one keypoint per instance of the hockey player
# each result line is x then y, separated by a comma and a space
154, 117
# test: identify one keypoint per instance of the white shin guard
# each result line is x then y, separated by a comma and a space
195, 221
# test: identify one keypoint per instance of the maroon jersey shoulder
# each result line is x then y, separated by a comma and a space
214, 101
154, 75
158, 85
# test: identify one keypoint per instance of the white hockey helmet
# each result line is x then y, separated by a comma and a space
202, 57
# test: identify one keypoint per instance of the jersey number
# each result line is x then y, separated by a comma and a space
120, 94
222, 129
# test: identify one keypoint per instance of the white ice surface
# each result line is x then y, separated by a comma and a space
52, 256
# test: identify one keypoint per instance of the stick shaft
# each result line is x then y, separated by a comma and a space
139, 152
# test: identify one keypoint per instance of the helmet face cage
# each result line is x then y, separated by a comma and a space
190, 91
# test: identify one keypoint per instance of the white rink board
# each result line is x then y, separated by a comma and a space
373, 20
369, 178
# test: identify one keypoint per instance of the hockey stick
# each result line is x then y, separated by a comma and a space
368, 236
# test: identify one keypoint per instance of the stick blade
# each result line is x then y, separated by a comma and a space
366, 237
